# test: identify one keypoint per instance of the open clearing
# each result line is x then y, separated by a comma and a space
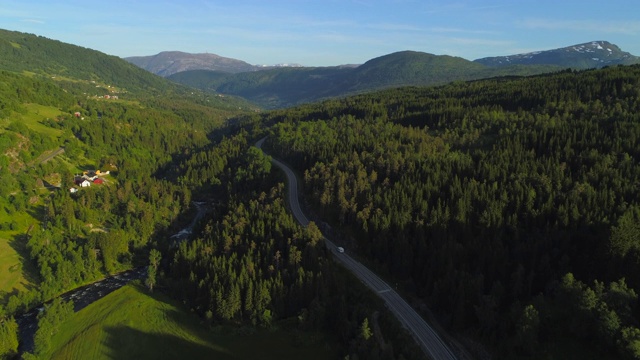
14, 268
130, 323
11, 278
35, 114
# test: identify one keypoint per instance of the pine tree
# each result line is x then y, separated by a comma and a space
365, 330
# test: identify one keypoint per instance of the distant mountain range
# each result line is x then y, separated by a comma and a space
283, 86
275, 87
168, 63
85, 71
593, 54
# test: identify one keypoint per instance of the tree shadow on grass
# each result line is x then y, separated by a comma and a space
36, 212
49, 186
5, 295
88, 166
247, 342
124, 342
28, 268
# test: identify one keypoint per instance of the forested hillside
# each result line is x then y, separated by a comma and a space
36, 54
511, 206
60, 119
158, 150
251, 263
279, 88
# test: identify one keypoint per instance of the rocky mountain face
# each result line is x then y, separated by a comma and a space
595, 54
170, 62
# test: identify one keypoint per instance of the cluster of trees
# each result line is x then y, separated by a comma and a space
252, 263
102, 229
249, 262
20, 145
480, 196
8, 336
16, 90
603, 314
510, 205
53, 315
97, 231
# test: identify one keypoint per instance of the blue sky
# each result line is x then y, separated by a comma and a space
329, 32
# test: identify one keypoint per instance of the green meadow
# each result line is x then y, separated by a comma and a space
11, 267
36, 114
131, 323
15, 269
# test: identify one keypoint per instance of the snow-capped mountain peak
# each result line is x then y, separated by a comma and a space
592, 54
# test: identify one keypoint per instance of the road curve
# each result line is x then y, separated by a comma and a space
55, 153
425, 336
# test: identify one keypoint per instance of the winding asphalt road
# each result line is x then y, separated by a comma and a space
425, 336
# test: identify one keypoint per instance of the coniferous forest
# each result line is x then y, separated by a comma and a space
506, 210
247, 264
510, 206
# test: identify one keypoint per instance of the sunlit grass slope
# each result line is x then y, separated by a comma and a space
130, 323
16, 273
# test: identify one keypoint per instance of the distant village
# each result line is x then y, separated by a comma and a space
88, 178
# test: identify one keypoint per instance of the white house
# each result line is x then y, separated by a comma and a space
83, 183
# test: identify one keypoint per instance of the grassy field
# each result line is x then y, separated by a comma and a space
11, 275
133, 324
35, 114
15, 270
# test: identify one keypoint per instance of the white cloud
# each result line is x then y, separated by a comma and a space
33, 21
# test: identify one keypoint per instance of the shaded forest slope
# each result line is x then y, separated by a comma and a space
503, 203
